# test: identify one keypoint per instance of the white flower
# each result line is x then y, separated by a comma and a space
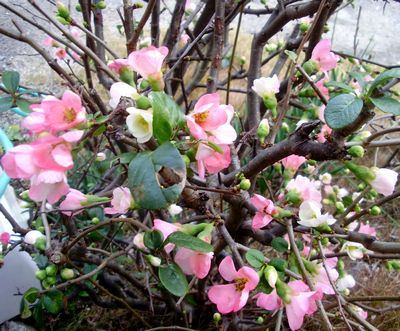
310, 214
119, 90
140, 123
174, 209
326, 178
345, 282
354, 250
385, 181
31, 237
265, 87
100, 156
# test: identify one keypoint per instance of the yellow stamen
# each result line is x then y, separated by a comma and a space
201, 117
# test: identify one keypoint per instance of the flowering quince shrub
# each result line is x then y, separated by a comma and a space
183, 207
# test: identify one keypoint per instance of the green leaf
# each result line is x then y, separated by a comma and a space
99, 131
41, 261
11, 81
6, 103
342, 110
173, 279
300, 245
24, 310
127, 157
387, 105
53, 301
184, 240
144, 178
31, 295
255, 258
23, 104
339, 85
176, 116
153, 239
101, 119
280, 244
279, 264
384, 77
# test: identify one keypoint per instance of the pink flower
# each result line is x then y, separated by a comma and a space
321, 280
5, 238
75, 32
184, 38
233, 297
325, 132
72, 201
323, 55
209, 118
121, 201
194, 263
56, 115
302, 302
265, 210
166, 229
48, 185
75, 56
61, 53
213, 161
148, 61
367, 229
293, 162
118, 64
385, 180
324, 90
305, 188
17, 163
49, 41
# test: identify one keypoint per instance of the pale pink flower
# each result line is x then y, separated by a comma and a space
138, 240
148, 61
325, 131
184, 38
323, 55
305, 187
302, 302
48, 185
5, 238
385, 180
233, 297
121, 201
367, 229
265, 211
324, 90
17, 162
61, 53
118, 64
166, 229
75, 56
72, 201
49, 41
322, 282
209, 118
213, 161
54, 115
194, 263
293, 162
75, 32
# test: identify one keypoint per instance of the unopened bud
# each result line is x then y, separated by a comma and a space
311, 67
271, 47
95, 220
263, 130
40, 243
294, 197
375, 211
260, 320
78, 7
304, 27
153, 260
356, 151
100, 156
216, 317
361, 136
271, 275
51, 270
283, 291
339, 207
143, 102
361, 172
101, 5
245, 184
242, 60
67, 274
41, 274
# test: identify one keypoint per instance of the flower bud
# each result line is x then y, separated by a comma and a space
41, 274
270, 102
294, 197
356, 151
304, 27
95, 220
67, 274
311, 267
263, 130
282, 213
126, 75
51, 280
242, 60
271, 275
51, 270
375, 211
283, 291
31, 237
174, 209
271, 47
40, 243
153, 260
101, 5
143, 102
361, 136
311, 67
45, 284
245, 184
78, 8
339, 207
62, 10
216, 317
361, 172
260, 320
100, 156
25, 196
307, 92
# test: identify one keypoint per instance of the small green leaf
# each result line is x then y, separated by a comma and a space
6, 103
387, 105
153, 239
41, 261
11, 81
53, 301
215, 147
340, 86
31, 295
278, 264
280, 244
23, 104
384, 77
299, 245
173, 279
342, 110
101, 119
144, 180
126, 158
291, 55
24, 310
255, 258
99, 131
184, 240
